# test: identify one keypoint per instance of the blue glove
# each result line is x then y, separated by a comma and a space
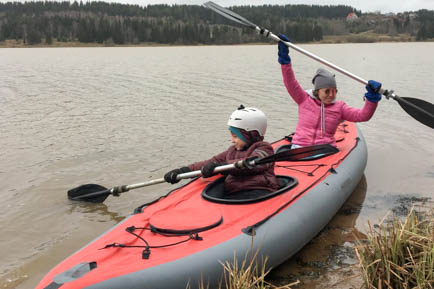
283, 51
373, 88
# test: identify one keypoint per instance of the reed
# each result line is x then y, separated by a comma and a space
399, 254
249, 274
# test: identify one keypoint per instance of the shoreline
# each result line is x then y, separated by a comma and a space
329, 39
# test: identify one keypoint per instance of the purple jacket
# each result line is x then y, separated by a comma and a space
261, 177
317, 123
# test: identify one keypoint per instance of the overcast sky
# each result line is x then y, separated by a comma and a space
383, 6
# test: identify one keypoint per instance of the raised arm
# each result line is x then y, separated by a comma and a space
294, 89
292, 86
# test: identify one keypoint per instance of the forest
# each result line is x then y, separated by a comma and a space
123, 24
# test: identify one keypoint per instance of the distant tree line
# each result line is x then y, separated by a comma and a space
113, 23
101, 22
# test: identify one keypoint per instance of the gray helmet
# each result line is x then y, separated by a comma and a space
323, 79
249, 119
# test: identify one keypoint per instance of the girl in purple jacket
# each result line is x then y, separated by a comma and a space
319, 113
247, 127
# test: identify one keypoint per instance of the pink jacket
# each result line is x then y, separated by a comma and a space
317, 122
261, 177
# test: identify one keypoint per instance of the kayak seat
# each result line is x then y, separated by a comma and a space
214, 192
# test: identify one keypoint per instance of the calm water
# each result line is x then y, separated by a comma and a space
113, 116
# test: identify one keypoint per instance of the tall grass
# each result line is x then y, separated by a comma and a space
249, 274
399, 254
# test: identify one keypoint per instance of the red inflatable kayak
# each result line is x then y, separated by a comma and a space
185, 236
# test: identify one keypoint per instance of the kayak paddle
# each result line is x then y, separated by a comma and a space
97, 194
419, 109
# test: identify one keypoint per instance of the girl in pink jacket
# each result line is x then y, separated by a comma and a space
319, 113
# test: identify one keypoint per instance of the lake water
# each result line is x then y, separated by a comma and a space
113, 116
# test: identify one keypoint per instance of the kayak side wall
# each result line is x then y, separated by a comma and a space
323, 201
279, 238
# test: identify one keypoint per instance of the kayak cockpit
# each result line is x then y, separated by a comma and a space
214, 192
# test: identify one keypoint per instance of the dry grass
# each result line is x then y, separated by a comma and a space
250, 274
399, 254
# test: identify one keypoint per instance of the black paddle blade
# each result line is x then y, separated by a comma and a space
300, 154
89, 193
419, 109
229, 14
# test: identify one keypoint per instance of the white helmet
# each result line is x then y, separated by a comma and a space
249, 119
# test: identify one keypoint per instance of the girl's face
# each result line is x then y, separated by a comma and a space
327, 95
238, 143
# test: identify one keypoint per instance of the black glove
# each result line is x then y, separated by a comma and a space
170, 177
245, 164
208, 169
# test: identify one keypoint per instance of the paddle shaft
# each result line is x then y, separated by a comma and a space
271, 35
420, 110
387, 93
178, 177
239, 164
97, 194
116, 191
